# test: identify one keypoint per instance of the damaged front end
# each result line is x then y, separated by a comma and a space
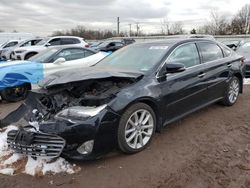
73, 119
35, 144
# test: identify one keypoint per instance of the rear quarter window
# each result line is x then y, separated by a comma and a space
210, 51
66, 41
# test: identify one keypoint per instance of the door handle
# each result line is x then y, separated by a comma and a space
201, 75
229, 65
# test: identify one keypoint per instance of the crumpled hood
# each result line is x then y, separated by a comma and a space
11, 63
88, 73
20, 72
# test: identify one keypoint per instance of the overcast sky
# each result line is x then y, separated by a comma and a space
42, 17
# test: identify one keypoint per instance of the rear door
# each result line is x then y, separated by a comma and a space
185, 91
217, 68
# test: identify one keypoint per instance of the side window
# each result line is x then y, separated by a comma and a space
210, 51
88, 53
66, 41
186, 54
227, 51
10, 44
55, 42
118, 44
71, 54
26, 44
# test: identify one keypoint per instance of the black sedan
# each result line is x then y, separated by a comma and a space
109, 46
244, 50
125, 98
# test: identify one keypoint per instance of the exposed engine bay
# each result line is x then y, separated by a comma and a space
87, 93
64, 118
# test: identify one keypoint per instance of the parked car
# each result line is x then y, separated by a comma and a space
25, 53
95, 44
17, 78
8, 53
109, 46
244, 50
128, 41
7, 45
233, 44
126, 97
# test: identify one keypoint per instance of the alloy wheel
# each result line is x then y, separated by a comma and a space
139, 129
233, 92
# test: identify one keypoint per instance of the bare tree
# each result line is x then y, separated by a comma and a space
176, 28
165, 26
241, 21
217, 25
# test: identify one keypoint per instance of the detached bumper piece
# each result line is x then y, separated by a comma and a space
35, 144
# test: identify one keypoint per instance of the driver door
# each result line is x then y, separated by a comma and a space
185, 91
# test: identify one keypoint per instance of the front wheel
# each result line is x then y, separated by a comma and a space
15, 94
232, 92
136, 128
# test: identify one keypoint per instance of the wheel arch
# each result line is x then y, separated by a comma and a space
18, 76
32, 52
155, 107
240, 77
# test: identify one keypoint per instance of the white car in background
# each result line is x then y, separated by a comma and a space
7, 53
25, 53
8, 45
17, 77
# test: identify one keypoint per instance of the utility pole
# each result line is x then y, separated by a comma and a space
118, 26
129, 30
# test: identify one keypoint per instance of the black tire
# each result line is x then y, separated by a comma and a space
227, 101
15, 94
29, 55
11, 56
122, 143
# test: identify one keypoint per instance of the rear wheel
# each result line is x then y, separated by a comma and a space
16, 93
232, 92
136, 128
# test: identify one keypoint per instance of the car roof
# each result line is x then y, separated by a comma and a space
65, 37
174, 41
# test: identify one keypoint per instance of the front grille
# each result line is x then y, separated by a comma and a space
41, 145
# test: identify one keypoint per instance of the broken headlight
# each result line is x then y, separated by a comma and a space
79, 113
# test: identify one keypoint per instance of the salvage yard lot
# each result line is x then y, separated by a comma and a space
210, 148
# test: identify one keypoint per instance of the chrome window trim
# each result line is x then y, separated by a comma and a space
201, 63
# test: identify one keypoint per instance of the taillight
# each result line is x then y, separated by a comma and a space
242, 60
87, 46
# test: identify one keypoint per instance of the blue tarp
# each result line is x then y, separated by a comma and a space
12, 74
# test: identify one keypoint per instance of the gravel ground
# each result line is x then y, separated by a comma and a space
210, 148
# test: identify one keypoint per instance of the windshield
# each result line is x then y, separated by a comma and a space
44, 56
136, 58
42, 42
244, 48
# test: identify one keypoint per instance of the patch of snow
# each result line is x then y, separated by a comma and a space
3, 140
7, 171
247, 81
31, 166
13, 158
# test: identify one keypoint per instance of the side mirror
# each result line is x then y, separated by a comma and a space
48, 44
60, 60
175, 67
